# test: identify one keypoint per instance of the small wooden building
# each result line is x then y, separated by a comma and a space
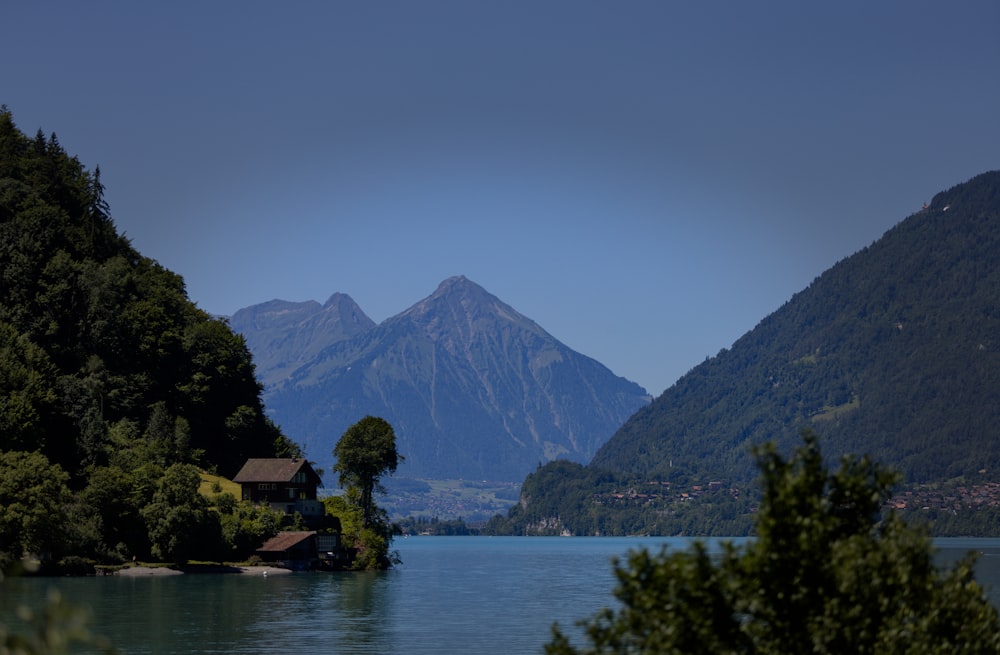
301, 551
289, 546
288, 485
294, 550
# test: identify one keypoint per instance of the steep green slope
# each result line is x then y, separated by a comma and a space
99, 343
895, 351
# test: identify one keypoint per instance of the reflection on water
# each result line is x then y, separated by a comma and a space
452, 595
321, 612
158, 614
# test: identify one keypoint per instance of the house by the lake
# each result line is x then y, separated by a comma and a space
306, 550
288, 485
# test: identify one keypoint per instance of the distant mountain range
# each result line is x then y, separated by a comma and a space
285, 336
474, 389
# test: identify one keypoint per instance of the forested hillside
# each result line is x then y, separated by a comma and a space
893, 352
109, 374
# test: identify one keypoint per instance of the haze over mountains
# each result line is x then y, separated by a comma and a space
474, 389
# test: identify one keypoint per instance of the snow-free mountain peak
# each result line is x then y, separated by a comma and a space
473, 388
284, 335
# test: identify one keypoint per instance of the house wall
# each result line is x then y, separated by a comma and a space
278, 492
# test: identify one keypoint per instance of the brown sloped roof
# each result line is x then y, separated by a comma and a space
272, 470
283, 541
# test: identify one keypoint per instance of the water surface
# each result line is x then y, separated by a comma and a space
479, 595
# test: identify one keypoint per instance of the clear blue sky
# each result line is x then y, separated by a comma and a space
645, 180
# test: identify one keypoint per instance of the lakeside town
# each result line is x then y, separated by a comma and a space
911, 497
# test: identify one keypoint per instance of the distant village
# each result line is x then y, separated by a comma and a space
473, 502
475, 508
658, 491
976, 496
917, 497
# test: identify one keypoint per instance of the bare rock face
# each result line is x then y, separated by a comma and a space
473, 388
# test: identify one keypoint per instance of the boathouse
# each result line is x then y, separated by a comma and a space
306, 550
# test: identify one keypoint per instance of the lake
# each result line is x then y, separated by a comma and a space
479, 595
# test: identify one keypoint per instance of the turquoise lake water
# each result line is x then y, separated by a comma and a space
480, 595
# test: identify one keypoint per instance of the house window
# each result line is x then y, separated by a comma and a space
267, 486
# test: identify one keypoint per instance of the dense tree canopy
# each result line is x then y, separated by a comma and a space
107, 370
365, 453
34, 502
178, 518
92, 333
824, 575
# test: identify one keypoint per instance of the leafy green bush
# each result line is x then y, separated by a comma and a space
825, 575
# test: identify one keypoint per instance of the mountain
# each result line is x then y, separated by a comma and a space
473, 388
894, 352
286, 335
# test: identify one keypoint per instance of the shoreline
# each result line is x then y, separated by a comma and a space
139, 571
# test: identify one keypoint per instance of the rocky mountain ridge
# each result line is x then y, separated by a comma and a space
284, 336
473, 388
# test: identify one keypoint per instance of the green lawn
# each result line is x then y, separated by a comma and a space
207, 486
